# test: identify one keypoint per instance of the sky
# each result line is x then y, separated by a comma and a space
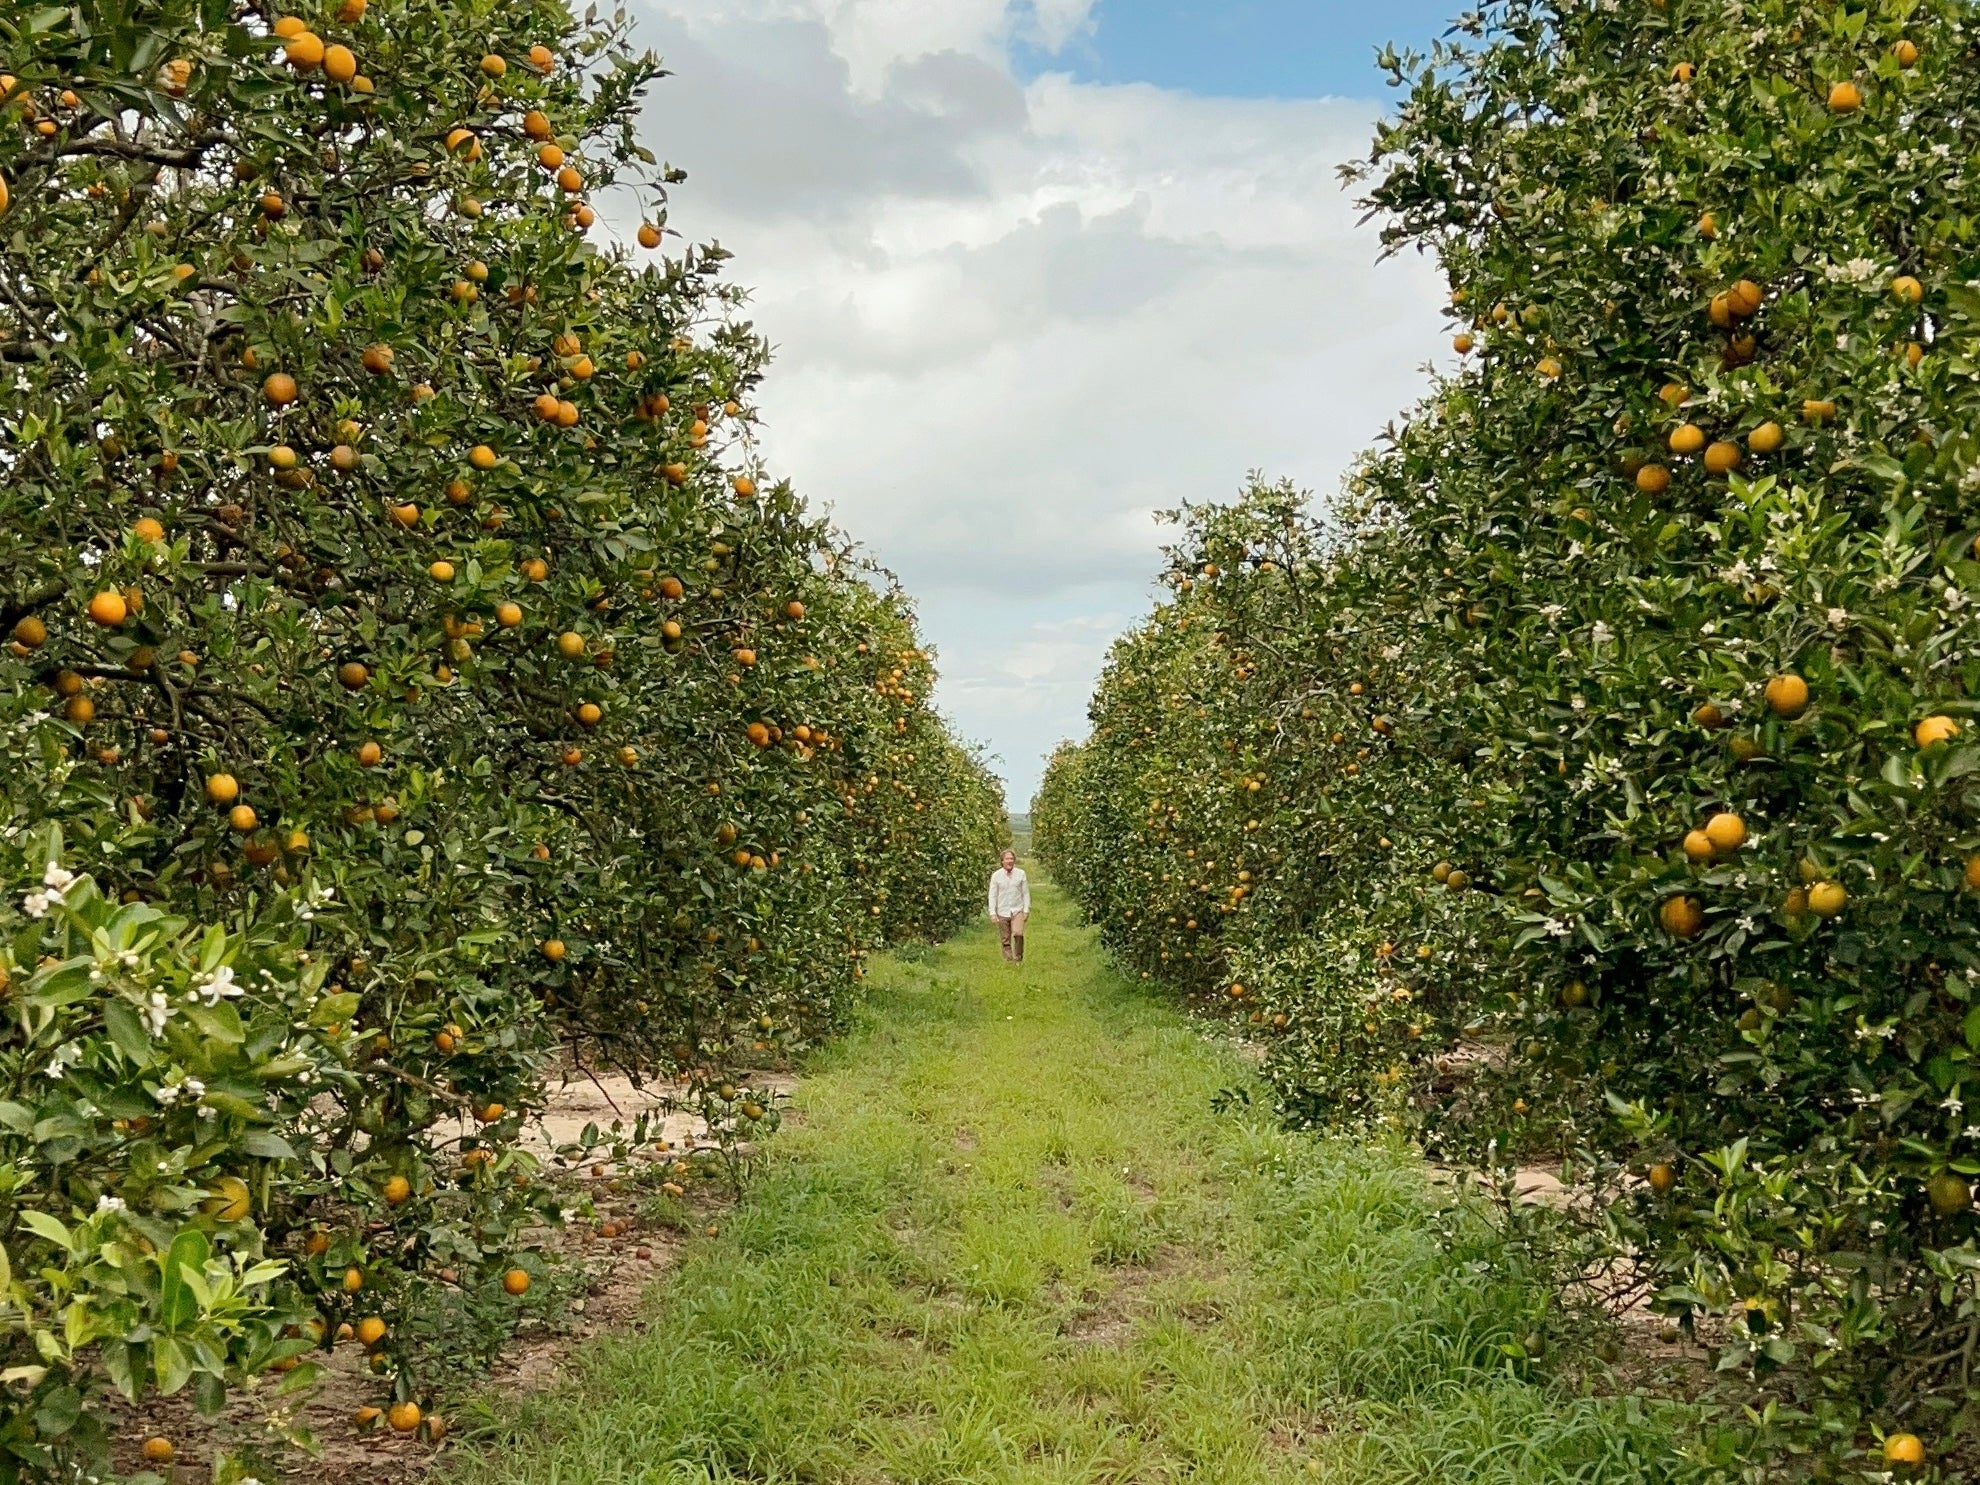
1035, 270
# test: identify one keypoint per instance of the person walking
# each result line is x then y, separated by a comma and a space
1010, 905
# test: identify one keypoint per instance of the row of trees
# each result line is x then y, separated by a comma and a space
1594, 780
408, 672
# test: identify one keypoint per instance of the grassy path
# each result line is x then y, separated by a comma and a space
1008, 1239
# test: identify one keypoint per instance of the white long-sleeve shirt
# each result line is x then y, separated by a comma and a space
1010, 893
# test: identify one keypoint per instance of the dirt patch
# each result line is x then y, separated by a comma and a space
612, 1275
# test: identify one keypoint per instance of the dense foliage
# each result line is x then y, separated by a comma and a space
410, 670
1597, 778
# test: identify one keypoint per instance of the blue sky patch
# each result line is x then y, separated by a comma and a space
1246, 48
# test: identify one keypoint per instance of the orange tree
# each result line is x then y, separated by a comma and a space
1649, 634
408, 669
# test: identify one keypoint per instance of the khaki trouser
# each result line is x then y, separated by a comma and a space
1010, 931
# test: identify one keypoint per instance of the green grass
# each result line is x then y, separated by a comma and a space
1009, 1238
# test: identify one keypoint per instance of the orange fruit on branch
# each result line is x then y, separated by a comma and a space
1722, 457
1726, 831
1786, 695
1681, 916
1905, 1449
1934, 729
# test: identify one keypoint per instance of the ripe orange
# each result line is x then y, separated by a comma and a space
406, 514
404, 1417
370, 754
1674, 394
1766, 438
30, 633
1826, 899
397, 1190
304, 51
1722, 457
745, 656
535, 569
1744, 299
1845, 97
570, 644
1907, 289
590, 714
494, 66
1906, 53
145, 528
1904, 1449
795, 610
339, 64
371, 1330
1726, 831
482, 457
1681, 916
745, 487
516, 1282
570, 180
536, 124
1787, 695
282, 457
1653, 479
1687, 438
1818, 410
221, 788
508, 615
1683, 72
353, 1280
554, 950
352, 676
1461, 343
1934, 729
289, 27
649, 235
1708, 226
158, 1450
550, 157
441, 571
1662, 1177
461, 138
1697, 845
109, 609
242, 817
542, 58
350, 12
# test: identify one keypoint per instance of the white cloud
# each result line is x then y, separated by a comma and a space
1013, 321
